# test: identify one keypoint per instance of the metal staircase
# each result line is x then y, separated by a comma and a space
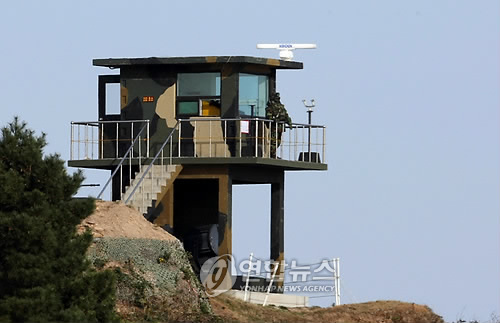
150, 181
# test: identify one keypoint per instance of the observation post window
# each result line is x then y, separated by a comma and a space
253, 95
198, 94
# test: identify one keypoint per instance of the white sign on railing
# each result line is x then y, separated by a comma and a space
245, 126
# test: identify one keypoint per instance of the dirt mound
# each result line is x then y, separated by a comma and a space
154, 278
234, 310
114, 219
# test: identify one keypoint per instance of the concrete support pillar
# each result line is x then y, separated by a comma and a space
278, 224
225, 215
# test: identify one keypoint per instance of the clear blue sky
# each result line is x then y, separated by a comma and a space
409, 91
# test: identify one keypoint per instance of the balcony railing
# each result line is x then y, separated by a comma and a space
108, 139
201, 137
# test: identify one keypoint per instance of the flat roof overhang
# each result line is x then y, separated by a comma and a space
111, 163
197, 60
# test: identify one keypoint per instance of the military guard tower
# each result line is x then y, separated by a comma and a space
190, 128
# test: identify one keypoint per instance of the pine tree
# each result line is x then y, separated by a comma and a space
44, 273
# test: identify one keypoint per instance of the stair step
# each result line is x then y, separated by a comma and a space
158, 169
148, 181
156, 173
146, 189
146, 194
158, 178
139, 204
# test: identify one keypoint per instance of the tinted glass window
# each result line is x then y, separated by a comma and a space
253, 93
188, 108
198, 84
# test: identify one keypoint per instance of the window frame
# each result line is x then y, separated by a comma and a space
193, 98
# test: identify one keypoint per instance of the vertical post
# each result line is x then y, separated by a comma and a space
78, 146
131, 152
283, 141
225, 214
86, 144
264, 137
270, 138
92, 143
140, 156
210, 137
147, 139
130, 166
302, 141
335, 287
194, 141
256, 137
295, 143
132, 137
275, 269
225, 138
239, 135
116, 154
336, 265
171, 150
102, 139
152, 172
309, 112
278, 222
338, 279
71, 144
324, 145
142, 192
248, 276
290, 143
276, 141
179, 142
121, 180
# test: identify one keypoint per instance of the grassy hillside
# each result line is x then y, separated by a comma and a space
233, 310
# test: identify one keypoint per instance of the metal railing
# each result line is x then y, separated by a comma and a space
146, 172
253, 137
107, 139
128, 155
202, 137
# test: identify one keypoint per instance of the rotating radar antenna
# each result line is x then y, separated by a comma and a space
286, 50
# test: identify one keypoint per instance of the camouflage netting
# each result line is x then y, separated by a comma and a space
154, 278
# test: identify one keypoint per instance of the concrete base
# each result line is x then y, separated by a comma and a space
287, 300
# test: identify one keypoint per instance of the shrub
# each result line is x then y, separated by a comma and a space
44, 273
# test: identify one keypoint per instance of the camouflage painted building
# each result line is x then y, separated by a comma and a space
206, 118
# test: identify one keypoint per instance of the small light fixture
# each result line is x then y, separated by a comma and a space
309, 112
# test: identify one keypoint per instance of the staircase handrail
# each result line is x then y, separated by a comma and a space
122, 160
160, 151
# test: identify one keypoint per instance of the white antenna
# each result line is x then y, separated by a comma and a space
286, 50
